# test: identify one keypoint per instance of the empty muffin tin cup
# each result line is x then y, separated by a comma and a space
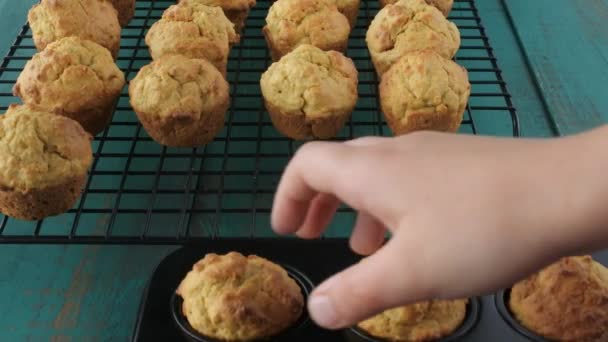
289, 334
501, 300
355, 334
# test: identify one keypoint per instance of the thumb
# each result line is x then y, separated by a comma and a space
379, 282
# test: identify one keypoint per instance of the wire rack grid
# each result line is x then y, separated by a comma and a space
139, 192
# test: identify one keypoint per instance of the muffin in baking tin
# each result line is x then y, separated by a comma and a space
233, 297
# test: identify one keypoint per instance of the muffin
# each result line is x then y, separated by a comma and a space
180, 101
195, 31
424, 91
75, 78
445, 6
406, 26
236, 298
235, 10
310, 93
125, 9
424, 321
566, 301
291, 23
95, 20
44, 160
350, 9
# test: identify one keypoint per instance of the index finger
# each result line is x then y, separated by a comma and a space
342, 170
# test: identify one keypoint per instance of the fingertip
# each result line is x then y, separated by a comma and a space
288, 215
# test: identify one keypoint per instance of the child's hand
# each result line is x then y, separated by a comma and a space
468, 214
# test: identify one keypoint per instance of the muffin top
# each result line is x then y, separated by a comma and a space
445, 6
39, 149
177, 85
194, 30
406, 26
566, 301
95, 20
291, 23
424, 321
237, 5
311, 81
237, 298
69, 75
424, 81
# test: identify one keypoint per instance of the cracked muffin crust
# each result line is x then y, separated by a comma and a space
95, 20
236, 298
566, 301
406, 26
310, 93
291, 23
195, 31
424, 91
235, 10
125, 9
424, 321
75, 78
180, 101
445, 6
44, 160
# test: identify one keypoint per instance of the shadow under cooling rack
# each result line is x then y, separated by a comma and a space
141, 192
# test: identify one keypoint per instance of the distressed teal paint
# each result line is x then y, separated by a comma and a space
92, 292
566, 43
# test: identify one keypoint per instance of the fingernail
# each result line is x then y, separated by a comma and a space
323, 312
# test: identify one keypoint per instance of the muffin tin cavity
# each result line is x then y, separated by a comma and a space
290, 334
355, 334
502, 305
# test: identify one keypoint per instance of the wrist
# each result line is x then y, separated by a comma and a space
579, 182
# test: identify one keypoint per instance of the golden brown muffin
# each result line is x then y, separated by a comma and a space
125, 9
291, 23
235, 10
350, 9
310, 93
566, 301
406, 26
236, 298
95, 20
445, 6
74, 78
180, 101
195, 31
44, 160
424, 91
424, 321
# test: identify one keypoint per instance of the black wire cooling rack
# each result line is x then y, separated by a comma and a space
140, 192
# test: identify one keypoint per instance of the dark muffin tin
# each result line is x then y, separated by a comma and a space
488, 318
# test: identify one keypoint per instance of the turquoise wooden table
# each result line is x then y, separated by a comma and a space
554, 58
